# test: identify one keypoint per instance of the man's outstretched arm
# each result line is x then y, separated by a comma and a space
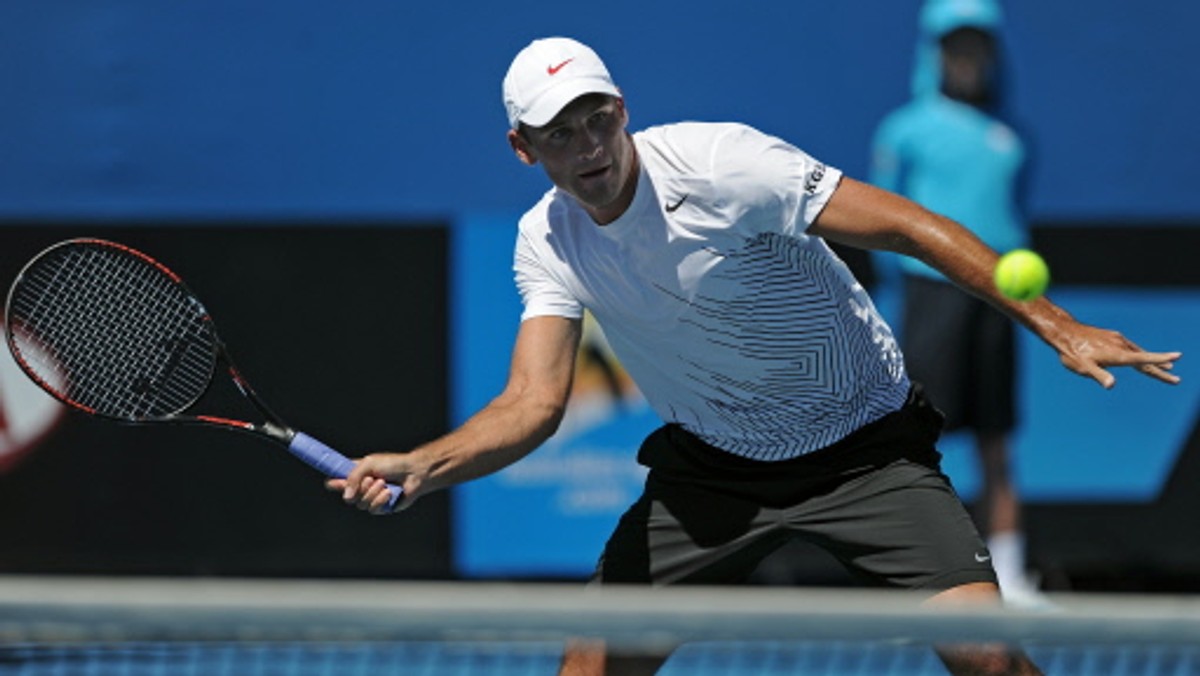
516, 422
866, 217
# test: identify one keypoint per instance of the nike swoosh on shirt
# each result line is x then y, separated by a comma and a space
554, 69
672, 207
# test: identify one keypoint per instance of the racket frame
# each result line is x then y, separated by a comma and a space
306, 448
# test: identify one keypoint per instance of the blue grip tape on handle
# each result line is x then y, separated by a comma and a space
330, 462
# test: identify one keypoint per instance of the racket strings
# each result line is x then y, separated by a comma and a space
112, 332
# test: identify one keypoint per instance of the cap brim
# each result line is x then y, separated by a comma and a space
555, 99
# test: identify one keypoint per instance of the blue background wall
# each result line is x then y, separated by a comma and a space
384, 108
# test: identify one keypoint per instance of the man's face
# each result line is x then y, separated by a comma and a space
586, 152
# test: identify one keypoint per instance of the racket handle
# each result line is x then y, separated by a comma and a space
330, 462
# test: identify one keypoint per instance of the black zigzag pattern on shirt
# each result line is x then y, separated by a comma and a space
824, 364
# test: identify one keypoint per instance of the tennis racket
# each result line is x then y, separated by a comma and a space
110, 331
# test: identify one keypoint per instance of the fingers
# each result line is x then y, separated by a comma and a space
378, 499
354, 480
372, 495
1159, 372
1106, 379
366, 486
360, 482
1097, 349
1157, 364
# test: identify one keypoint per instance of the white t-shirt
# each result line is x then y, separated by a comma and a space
733, 322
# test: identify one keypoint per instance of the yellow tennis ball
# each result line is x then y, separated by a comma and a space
1022, 275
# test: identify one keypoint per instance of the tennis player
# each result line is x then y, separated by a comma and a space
701, 250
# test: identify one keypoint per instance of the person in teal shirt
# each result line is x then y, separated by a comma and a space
951, 150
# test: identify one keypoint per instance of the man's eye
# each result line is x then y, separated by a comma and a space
559, 134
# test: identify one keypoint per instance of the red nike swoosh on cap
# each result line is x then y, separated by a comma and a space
554, 69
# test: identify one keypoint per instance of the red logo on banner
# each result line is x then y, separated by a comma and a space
27, 414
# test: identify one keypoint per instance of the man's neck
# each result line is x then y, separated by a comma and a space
617, 208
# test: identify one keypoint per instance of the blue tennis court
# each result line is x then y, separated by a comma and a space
844, 658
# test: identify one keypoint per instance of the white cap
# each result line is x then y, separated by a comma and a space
547, 75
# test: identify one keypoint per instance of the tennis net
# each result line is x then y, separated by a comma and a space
133, 626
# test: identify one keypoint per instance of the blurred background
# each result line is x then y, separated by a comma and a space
332, 179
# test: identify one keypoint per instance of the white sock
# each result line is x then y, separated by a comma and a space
1008, 558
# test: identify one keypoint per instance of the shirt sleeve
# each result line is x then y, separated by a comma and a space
541, 292
782, 188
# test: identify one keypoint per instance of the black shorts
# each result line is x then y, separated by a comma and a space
877, 501
963, 351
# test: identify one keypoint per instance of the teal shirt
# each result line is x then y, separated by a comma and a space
955, 160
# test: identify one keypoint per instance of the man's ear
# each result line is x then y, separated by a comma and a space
521, 147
